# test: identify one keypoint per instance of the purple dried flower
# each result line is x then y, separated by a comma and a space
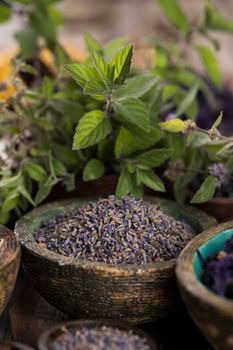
170, 116
220, 172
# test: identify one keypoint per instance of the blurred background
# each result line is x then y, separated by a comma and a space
135, 19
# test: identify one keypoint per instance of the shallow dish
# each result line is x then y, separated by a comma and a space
9, 264
54, 331
212, 314
83, 289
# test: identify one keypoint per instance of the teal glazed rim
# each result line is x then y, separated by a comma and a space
212, 246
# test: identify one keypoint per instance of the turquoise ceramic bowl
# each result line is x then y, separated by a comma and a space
212, 314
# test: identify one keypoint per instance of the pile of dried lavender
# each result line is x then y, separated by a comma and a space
98, 338
116, 231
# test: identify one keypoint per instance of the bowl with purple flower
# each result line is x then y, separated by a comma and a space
109, 258
95, 334
205, 276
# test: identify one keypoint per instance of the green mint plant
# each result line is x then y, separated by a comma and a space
123, 133
36, 130
198, 152
172, 65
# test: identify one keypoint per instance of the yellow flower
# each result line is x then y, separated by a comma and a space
6, 90
47, 57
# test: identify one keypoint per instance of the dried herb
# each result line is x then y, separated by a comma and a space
116, 231
97, 338
218, 271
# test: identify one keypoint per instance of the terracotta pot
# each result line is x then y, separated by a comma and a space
220, 208
212, 314
99, 188
54, 332
9, 264
83, 289
14, 346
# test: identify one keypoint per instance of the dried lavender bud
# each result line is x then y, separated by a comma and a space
220, 172
116, 231
218, 271
97, 338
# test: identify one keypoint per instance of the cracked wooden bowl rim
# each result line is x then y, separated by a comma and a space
9, 247
45, 336
187, 277
22, 230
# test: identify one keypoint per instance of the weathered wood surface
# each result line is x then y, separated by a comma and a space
30, 315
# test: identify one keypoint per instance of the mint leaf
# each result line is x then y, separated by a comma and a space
81, 73
124, 184
44, 190
95, 87
92, 128
91, 43
218, 121
10, 202
129, 141
188, 100
35, 171
175, 14
21, 189
11, 181
206, 191
93, 170
27, 41
133, 111
100, 65
216, 20
123, 142
210, 63
153, 158
135, 87
150, 179
113, 46
121, 63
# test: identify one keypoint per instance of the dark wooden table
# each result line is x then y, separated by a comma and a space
28, 314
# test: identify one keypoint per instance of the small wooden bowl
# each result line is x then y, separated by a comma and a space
52, 333
212, 314
9, 264
14, 346
83, 289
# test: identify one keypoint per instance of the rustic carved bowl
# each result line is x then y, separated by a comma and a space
9, 264
14, 346
135, 294
54, 332
212, 314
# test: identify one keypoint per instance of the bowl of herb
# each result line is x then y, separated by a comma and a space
110, 258
101, 335
205, 276
9, 264
14, 346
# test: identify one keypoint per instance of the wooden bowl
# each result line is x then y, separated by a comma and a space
14, 346
212, 314
84, 289
52, 333
9, 264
